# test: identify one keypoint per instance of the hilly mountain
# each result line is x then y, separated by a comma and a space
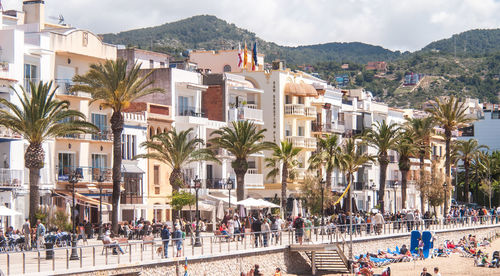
470, 43
211, 33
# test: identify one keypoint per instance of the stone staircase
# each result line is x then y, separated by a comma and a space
328, 261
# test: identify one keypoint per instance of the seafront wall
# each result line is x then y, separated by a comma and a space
269, 259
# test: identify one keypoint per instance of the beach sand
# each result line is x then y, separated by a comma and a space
454, 265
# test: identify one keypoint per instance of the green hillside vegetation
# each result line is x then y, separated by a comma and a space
470, 43
211, 33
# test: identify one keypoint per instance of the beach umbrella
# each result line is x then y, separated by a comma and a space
220, 210
295, 211
68, 211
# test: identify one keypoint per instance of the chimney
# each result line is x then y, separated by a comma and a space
34, 12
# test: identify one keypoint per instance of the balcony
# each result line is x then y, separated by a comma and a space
244, 113
302, 142
102, 135
310, 112
6, 133
358, 186
10, 178
85, 174
191, 111
294, 109
65, 86
254, 180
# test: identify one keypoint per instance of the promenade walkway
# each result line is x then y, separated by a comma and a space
94, 257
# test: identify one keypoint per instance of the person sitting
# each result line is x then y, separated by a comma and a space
403, 250
495, 259
481, 260
109, 241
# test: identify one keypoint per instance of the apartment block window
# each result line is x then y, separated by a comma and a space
151, 63
30, 74
156, 175
288, 99
300, 100
66, 164
183, 103
162, 64
99, 163
300, 131
157, 190
101, 122
128, 146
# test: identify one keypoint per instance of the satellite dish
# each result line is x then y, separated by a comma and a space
60, 19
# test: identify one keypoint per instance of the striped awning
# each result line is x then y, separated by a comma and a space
300, 89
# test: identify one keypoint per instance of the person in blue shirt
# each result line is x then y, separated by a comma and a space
165, 237
177, 236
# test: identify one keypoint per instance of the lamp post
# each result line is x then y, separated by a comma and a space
73, 179
197, 186
322, 183
374, 189
395, 197
445, 185
229, 184
100, 180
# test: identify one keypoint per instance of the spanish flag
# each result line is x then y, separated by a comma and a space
245, 52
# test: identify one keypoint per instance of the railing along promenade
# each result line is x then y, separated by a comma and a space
97, 256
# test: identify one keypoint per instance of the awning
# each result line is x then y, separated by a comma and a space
131, 168
79, 197
300, 89
201, 206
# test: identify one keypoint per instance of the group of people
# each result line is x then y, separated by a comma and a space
25, 238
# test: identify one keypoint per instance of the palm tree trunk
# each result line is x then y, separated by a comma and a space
328, 180
240, 167
447, 134
382, 177
117, 128
422, 183
466, 188
176, 180
284, 178
34, 194
404, 181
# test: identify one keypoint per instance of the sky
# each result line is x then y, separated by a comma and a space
393, 24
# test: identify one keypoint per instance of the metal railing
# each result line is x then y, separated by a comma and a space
151, 250
85, 174
191, 111
11, 178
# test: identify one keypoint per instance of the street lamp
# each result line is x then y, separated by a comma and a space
374, 189
445, 185
100, 180
197, 186
395, 197
73, 179
322, 183
229, 188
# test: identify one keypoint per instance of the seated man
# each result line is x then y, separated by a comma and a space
109, 241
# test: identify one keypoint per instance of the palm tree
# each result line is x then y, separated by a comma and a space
350, 160
286, 155
241, 139
115, 88
406, 148
326, 155
449, 115
467, 150
421, 129
176, 150
383, 137
39, 117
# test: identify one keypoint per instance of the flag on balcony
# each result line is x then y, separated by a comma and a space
240, 60
254, 56
245, 52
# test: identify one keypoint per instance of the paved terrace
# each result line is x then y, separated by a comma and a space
94, 257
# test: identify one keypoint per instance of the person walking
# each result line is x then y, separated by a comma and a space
379, 220
410, 218
165, 238
256, 229
298, 225
40, 233
265, 231
177, 236
26, 230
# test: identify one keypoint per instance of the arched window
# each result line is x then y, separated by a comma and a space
227, 68
165, 130
151, 132
158, 131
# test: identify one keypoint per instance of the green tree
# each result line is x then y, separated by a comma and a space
114, 87
176, 150
383, 137
467, 150
421, 129
181, 199
351, 159
286, 156
450, 114
38, 117
326, 156
241, 139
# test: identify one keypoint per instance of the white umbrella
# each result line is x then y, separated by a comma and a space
295, 211
243, 213
267, 204
301, 210
250, 202
220, 210
7, 212
68, 211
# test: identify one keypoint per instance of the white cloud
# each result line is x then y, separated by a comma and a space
394, 24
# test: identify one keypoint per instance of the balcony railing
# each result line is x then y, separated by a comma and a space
358, 186
294, 109
65, 86
11, 178
254, 180
191, 111
310, 111
103, 135
302, 142
245, 113
85, 174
